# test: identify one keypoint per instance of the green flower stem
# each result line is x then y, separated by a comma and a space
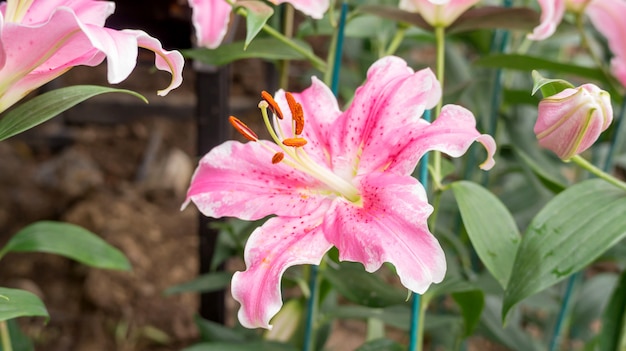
440, 39
6, 338
288, 14
312, 308
314, 59
586, 165
397, 39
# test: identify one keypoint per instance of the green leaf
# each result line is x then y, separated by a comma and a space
486, 17
496, 17
367, 289
512, 336
204, 283
381, 345
257, 14
20, 303
471, 304
571, 231
214, 332
554, 182
19, 340
529, 63
48, 105
613, 334
264, 48
490, 227
67, 240
244, 346
549, 87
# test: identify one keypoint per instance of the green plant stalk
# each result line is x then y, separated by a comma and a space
314, 59
288, 14
6, 338
586, 165
440, 39
397, 39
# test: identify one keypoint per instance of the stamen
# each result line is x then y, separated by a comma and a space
273, 106
297, 114
295, 142
277, 157
243, 129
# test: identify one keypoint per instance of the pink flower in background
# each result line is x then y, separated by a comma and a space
42, 39
334, 178
552, 12
572, 120
438, 12
608, 17
211, 17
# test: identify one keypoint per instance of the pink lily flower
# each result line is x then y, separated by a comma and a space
338, 179
552, 12
607, 16
571, 121
210, 18
440, 13
42, 39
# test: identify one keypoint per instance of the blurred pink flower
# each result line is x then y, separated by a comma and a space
42, 39
572, 120
438, 12
608, 17
338, 179
211, 17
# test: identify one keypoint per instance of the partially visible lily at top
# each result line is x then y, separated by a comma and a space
42, 39
334, 178
210, 18
607, 16
570, 121
438, 12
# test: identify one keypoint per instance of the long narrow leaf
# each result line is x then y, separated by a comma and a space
48, 105
20, 303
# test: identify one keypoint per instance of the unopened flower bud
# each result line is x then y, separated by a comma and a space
571, 121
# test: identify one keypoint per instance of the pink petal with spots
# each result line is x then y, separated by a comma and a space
320, 113
210, 19
389, 227
392, 100
453, 132
280, 243
552, 12
92, 12
239, 180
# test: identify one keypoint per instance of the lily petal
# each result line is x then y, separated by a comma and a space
312, 8
239, 180
210, 19
393, 98
453, 132
389, 227
607, 17
552, 12
280, 243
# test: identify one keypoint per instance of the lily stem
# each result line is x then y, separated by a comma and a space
288, 32
586, 165
308, 54
6, 338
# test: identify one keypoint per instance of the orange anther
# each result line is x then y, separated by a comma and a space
273, 105
295, 142
277, 157
297, 114
243, 129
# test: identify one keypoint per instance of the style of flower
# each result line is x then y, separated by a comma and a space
438, 12
210, 18
334, 178
40, 40
571, 121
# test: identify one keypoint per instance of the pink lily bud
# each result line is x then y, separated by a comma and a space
571, 121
